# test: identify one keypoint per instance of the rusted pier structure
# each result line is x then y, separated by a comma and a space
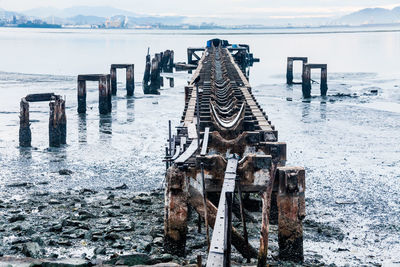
225, 145
57, 119
161, 63
289, 71
105, 105
130, 78
240, 52
306, 84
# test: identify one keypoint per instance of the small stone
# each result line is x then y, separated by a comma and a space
17, 218
65, 172
32, 249
100, 251
289, 99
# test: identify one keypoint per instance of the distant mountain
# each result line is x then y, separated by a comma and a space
98, 11
371, 16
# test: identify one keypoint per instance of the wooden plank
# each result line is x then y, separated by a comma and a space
205, 142
216, 254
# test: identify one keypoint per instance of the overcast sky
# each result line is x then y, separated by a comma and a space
243, 8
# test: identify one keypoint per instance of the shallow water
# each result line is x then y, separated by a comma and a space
348, 141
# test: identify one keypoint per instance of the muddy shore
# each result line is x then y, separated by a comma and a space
101, 227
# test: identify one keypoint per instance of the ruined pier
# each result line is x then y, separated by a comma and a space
225, 145
57, 119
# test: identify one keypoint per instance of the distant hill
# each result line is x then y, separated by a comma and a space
371, 16
98, 11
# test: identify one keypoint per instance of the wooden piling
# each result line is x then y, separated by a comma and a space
306, 81
63, 123
103, 95
130, 80
81, 96
171, 82
109, 93
113, 74
54, 129
289, 71
324, 81
154, 77
291, 208
25, 135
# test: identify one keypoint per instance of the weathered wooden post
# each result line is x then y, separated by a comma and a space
154, 77
25, 135
324, 80
171, 82
291, 208
63, 123
130, 80
289, 71
176, 212
113, 74
81, 96
109, 93
54, 128
306, 81
103, 95
171, 61
146, 77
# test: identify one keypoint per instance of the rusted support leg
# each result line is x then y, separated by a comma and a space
103, 96
54, 129
81, 96
63, 123
130, 80
289, 71
291, 207
113, 74
306, 82
324, 81
196, 201
263, 251
176, 212
25, 135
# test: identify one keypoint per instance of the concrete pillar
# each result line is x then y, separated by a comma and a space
324, 81
130, 80
81, 96
176, 212
291, 208
306, 81
103, 95
25, 135
113, 74
289, 71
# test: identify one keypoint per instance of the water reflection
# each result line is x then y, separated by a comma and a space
322, 109
306, 108
82, 128
105, 126
130, 109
